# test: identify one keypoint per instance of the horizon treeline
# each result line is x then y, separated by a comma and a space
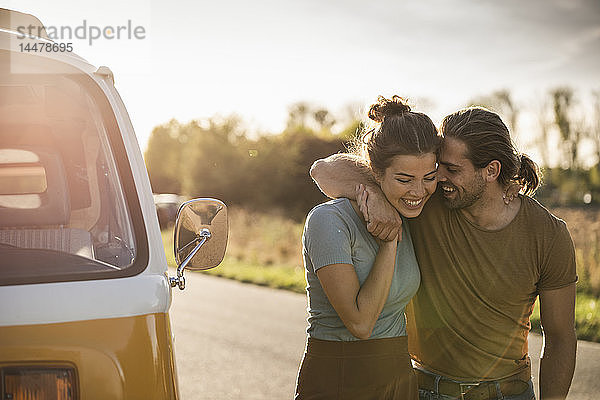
215, 157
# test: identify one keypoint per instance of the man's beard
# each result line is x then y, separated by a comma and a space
469, 195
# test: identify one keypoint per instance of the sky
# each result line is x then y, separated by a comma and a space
256, 58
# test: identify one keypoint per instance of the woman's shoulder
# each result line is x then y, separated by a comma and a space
333, 212
335, 206
327, 220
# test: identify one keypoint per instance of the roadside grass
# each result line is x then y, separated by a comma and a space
279, 277
263, 250
584, 226
587, 317
266, 250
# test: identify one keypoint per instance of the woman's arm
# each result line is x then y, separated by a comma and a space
359, 306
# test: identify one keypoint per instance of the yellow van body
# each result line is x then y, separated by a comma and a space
84, 289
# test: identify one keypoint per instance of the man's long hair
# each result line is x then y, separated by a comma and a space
487, 138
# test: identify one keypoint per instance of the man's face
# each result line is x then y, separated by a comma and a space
461, 182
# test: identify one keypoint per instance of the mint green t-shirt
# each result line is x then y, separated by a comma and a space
335, 234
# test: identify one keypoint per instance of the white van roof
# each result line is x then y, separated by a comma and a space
11, 20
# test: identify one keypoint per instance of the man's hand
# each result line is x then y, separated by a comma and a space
383, 220
511, 191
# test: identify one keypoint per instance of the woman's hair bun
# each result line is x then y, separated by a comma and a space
387, 107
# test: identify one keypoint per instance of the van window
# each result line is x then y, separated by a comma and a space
64, 213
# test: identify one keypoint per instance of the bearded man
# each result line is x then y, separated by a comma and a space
484, 261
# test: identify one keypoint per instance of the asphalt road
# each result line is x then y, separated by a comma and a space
240, 341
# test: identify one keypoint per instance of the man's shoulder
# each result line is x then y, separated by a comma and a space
434, 205
538, 215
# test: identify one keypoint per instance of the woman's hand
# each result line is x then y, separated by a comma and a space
383, 220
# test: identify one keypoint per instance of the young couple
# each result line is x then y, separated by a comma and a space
472, 261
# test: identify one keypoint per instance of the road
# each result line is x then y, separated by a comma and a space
240, 341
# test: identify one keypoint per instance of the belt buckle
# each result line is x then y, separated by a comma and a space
466, 387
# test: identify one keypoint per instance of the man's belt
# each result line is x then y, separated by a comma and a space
483, 390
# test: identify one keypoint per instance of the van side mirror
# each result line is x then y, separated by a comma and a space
200, 239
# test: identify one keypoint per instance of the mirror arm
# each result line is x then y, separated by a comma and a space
193, 241
202, 237
179, 281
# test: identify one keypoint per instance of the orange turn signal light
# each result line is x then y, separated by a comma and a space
39, 383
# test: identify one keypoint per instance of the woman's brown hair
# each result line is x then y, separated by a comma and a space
400, 131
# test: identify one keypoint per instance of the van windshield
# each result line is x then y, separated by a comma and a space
63, 211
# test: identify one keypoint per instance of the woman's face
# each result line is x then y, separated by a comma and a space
409, 182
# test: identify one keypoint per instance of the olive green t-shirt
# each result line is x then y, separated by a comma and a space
470, 317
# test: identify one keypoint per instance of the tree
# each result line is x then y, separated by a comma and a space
297, 114
570, 131
215, 159
594, 132
163, 157
324, 119
501, 102
543, 140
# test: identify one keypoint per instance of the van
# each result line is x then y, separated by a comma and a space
84, 285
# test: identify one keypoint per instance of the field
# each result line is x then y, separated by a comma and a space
266, 250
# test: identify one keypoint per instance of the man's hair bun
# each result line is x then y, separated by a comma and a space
388, 107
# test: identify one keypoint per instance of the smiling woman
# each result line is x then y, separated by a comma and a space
401, 153
409, 182
358, 286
